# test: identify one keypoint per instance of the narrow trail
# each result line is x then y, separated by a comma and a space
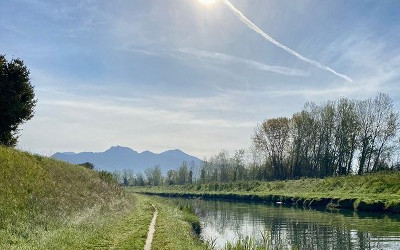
152, 229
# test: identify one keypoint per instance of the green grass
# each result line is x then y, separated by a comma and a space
175, 228
191, 217
35, 185
124, 227
49, 204
370, 192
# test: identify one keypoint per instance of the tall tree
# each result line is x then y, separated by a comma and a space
273, 137
154, 176
386, 126
302, 128
366, 120
171, 177
379, 125
183, 173
239, 171
17, 99
346, 131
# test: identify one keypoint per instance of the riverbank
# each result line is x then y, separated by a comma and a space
379, 192
174, 226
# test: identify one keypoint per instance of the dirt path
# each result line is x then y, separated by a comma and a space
152, 229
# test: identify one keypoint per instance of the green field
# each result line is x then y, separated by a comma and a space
378, 192
49, 204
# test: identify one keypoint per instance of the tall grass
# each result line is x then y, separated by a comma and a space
249, 243
39, 195
189, 215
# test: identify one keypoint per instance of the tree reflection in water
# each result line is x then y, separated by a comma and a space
293, 227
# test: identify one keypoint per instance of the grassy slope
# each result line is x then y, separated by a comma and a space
49, 204
124, 227
374, 192
54, 205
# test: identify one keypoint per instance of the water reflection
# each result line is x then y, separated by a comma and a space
291, 227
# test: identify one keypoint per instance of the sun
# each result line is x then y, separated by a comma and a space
207, 2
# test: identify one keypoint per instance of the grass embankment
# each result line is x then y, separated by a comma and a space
378, 192
176, 226
49, 204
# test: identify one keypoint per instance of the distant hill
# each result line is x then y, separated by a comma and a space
119, 158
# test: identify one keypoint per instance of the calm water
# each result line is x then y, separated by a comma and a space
304, 229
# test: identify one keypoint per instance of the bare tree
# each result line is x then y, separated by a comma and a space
387, 124
378, 127
346, 131
273, 137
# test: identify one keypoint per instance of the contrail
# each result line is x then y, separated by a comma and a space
254, 27
250, 63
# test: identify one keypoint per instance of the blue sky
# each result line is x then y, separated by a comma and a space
164, 74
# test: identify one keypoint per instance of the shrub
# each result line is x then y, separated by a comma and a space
108, 177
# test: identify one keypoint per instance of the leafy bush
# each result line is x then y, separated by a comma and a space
108, 177
87, 165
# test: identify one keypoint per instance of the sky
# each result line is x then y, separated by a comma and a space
166, 74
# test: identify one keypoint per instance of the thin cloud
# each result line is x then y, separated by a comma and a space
150, 113
267, 37
141, 51
249, 63
222, 58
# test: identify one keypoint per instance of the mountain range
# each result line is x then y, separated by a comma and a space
119, 158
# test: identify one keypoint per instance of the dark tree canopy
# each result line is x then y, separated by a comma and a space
17, 99
87, 165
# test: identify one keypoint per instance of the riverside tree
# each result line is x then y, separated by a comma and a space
379, 123
154, 176
272, 136
17, 99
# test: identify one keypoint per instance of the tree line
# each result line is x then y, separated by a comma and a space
339, 137
153, 176
336, 138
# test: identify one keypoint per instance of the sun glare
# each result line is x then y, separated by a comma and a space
207, 2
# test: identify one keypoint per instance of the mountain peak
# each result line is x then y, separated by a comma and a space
119, 149
69, 153
174, 153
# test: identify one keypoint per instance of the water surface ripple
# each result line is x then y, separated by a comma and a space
294, 227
